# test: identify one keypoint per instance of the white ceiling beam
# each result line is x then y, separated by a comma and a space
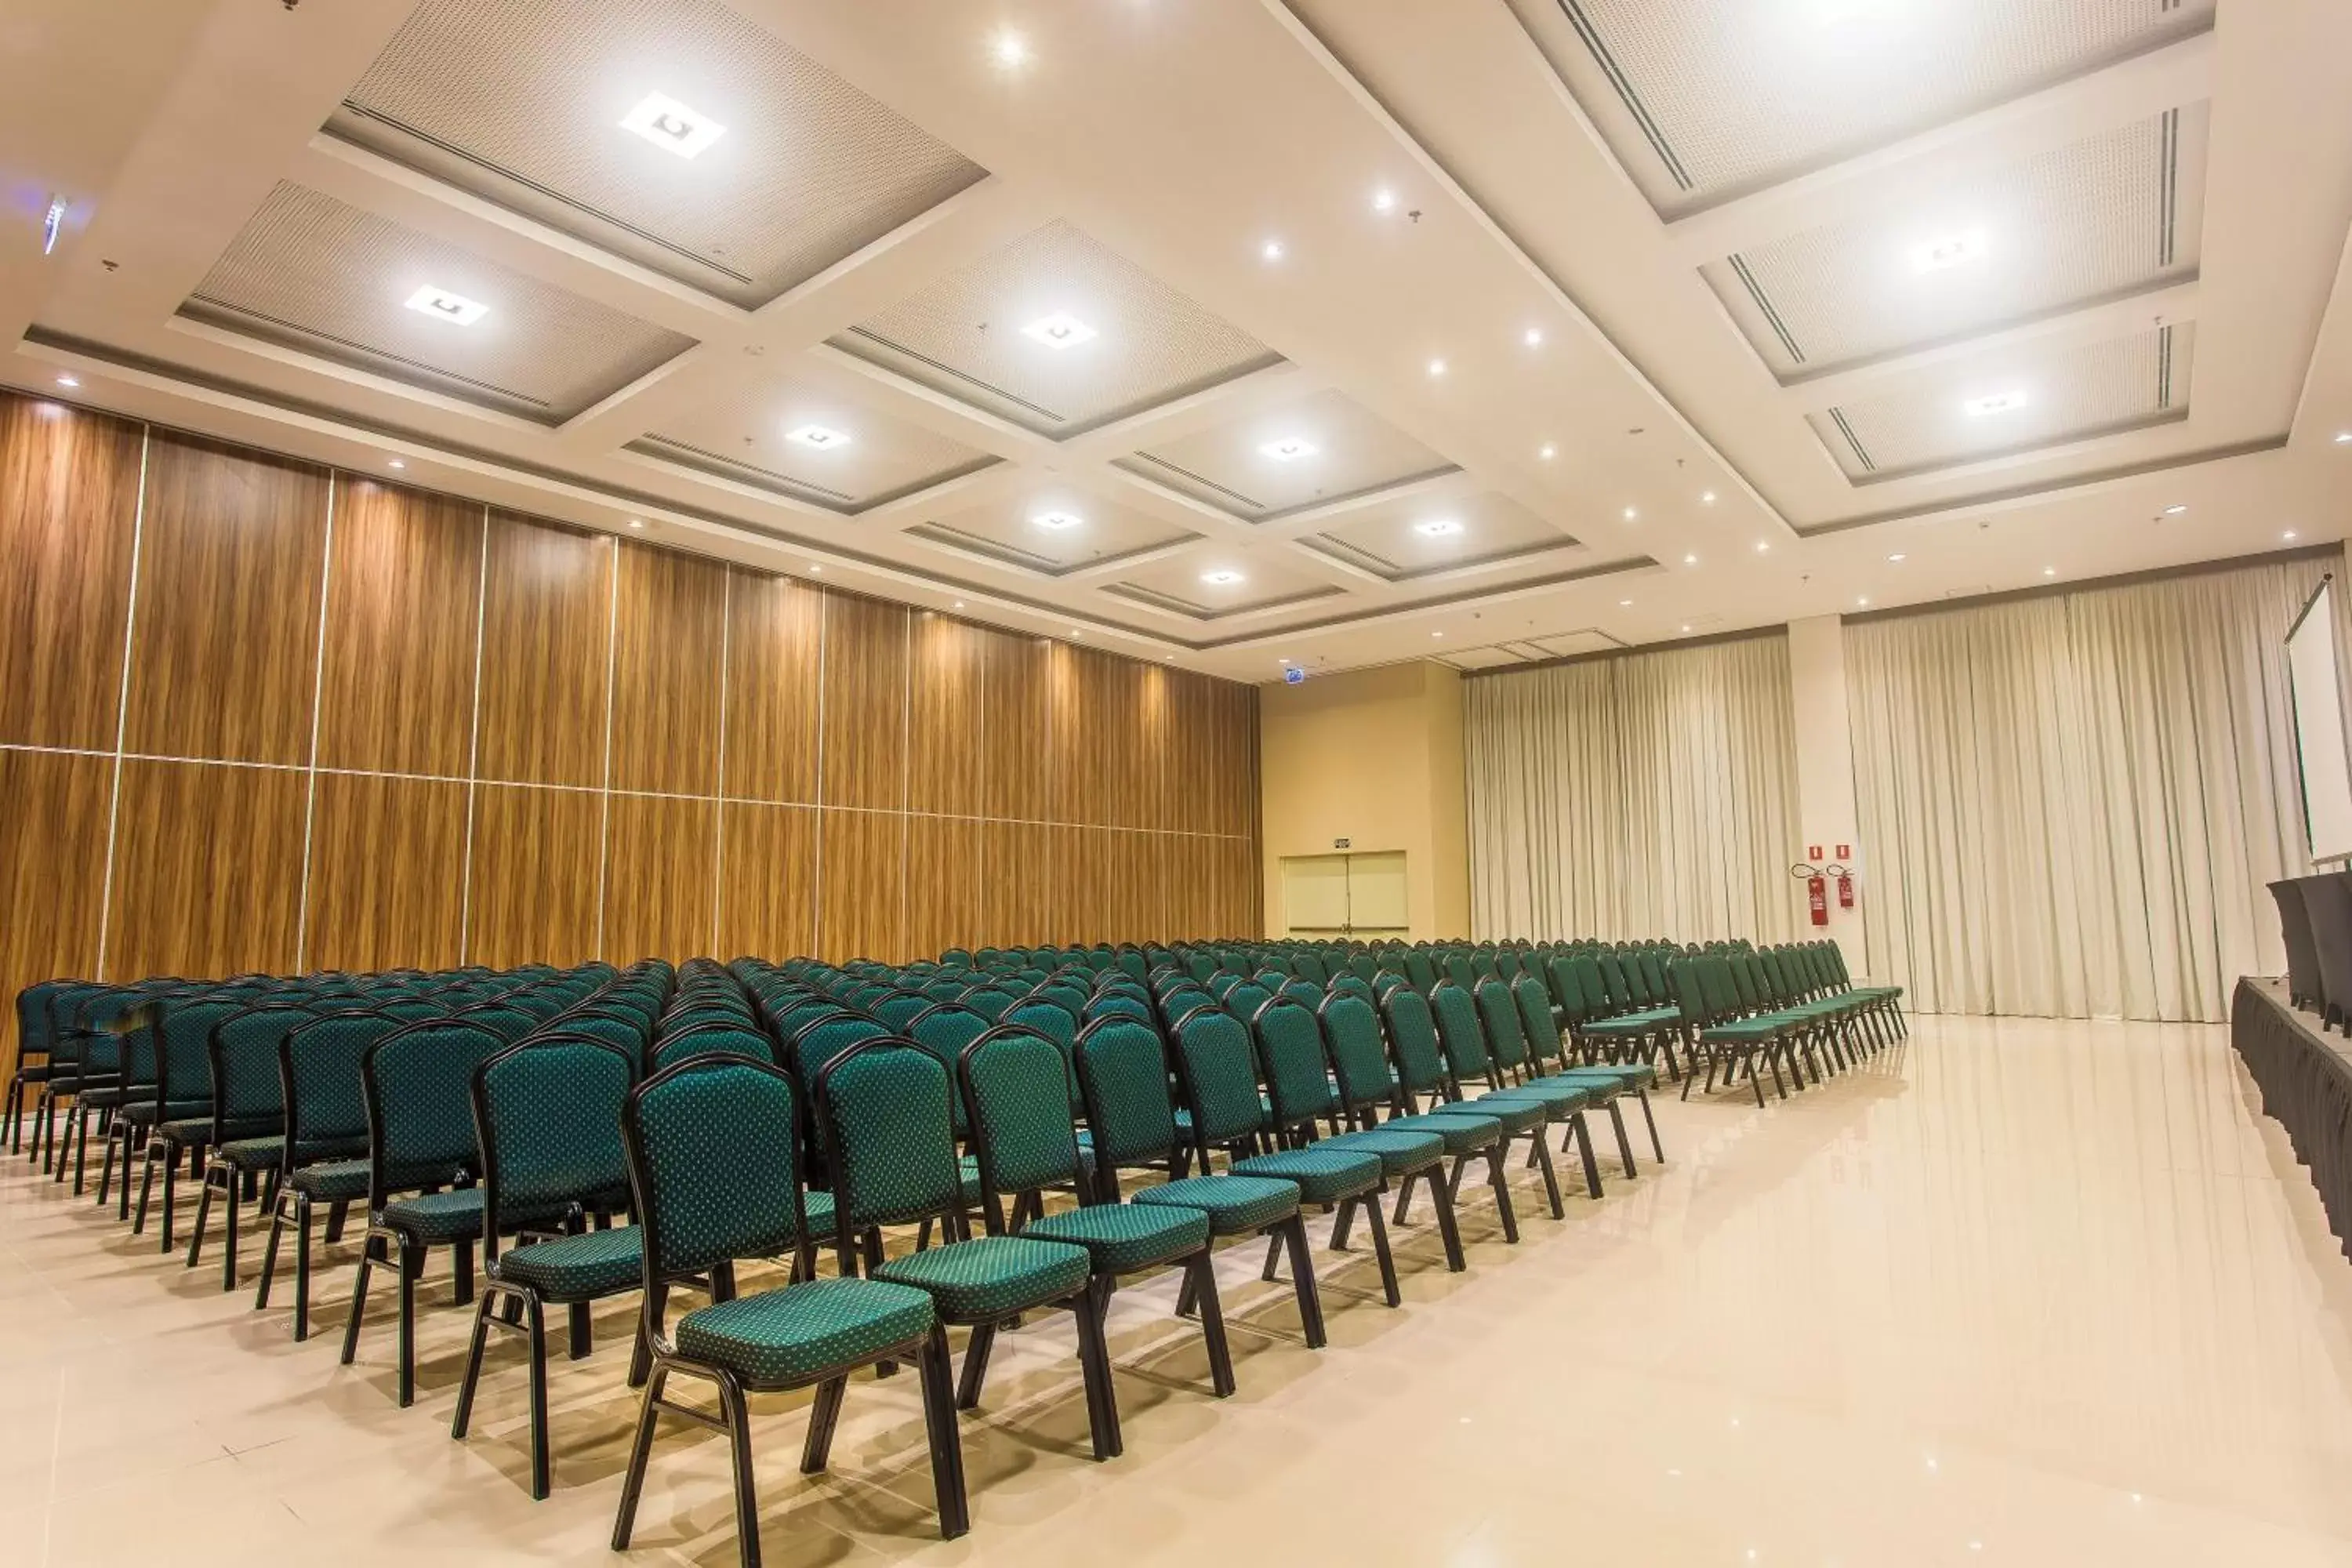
2133, 90
2099, 321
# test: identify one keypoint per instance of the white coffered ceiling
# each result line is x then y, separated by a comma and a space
1239, 332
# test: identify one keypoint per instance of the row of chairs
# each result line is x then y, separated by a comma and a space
516, 1107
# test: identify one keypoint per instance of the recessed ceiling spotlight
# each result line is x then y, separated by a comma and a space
823, 437
959, 604
1077, 631
68, 380
1288, 450
1437, 367
1624, 603
1950, 250
1896, 556
1762, 545
1223, 578
816, 569
443, 306
2289, 534
395, 463
672, 126
1271, 250
637, 522
1690, 559
1010, 49
1532, 337
2174, 510
1384, 200
1707, 498
2050, 571
1056, 522
1059, 331
2344, 438
1547, 451
1631, 513
1864, 601
1994, 403
1437, 634
1438, 527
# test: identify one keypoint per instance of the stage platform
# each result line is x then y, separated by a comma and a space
2305, 1078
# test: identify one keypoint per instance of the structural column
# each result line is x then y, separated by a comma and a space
1825, 796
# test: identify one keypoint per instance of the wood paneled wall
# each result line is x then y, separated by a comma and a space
257, 716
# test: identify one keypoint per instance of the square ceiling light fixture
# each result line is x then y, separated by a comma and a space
1995, 402
1950, 250
1057, 522
443, 306
1059, 331
672, 126
1289, 449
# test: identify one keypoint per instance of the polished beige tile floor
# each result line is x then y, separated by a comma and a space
2020, 1292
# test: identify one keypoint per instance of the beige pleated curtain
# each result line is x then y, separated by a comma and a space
2069, 805
1639, 796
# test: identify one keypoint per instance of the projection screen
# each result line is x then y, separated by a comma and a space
2319, 728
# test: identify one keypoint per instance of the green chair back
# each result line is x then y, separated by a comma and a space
1535, 1017
1358, 1052
1459, 1031
547, 1119
1219, 1072
1413, 1038
1017, 1103
1123, 1080
318, 1068
419, 1088
1290, 1056
890, 1135
700, 1206
248, 1091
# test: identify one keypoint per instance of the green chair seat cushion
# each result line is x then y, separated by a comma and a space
1323, 1175
1517, 1113
1636, 1023
1743, 1029
1465, 1131
991, 1276
579, 1267
1560, 1098
1623, 1075
453, 1216
1236, 1206
803, 1331
186, 1130
332, 1181
1402, 1150
1123, 1237
252, 1154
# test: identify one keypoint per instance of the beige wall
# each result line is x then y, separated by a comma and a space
1373, 756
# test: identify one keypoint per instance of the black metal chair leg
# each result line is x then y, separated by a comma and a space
463, 1417
641, 1447
412, 1265
1340, 1227
1500, 1181
359, 1300
1449, 1231
975, 1366
1625, 1145
538, 1464
1293, 1232
824, 1414
203, 1215
1656, 1148
1094, 1360
1550, 1174
947, 1442
1389, 1290
1584, 1147
1201, 1277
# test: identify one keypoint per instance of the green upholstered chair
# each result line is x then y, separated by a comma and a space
702, 1208
175, 1116
1370, 1093
1015, 1087
1132, 1121
884, 1109
1512, 1064
323, 1157
1550, 1061
247, 1139
1470, 1060
1717, 1032
1419, 1061
418, 1085
547, 1118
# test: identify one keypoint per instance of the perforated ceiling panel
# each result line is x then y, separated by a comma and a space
1322, 448
1403, 540
316, 274
1056, 332
521, 102
2011, 401
1050, 533
795, 437
1701, 98
2115, 212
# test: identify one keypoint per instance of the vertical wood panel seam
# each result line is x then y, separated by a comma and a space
123, 703
311, 770
474, 744
604, 790
817, 872
719, 781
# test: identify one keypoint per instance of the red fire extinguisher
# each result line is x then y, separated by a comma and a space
1845, 889
1817, 895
